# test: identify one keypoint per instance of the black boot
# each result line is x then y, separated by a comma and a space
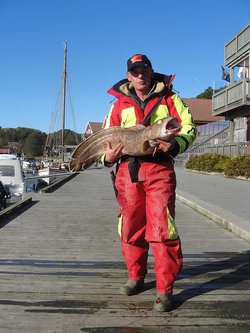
132, 287
163, 302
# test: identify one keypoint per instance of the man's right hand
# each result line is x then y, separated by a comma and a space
113, 153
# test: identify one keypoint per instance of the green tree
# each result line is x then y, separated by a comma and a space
22, 133
34, 144
208, 93
33, 141
71, 138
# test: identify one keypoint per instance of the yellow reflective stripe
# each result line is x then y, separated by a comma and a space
101, 159
107, 124
172, 229
187, 134
120, 225
161, 112
128, 117
182, 144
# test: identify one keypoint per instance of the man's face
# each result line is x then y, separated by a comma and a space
141, 78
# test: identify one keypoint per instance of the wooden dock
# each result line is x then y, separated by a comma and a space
61, 268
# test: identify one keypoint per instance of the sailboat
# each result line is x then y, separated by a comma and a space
51, 168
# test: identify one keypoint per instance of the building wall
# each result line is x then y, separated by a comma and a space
4, 150
240, 129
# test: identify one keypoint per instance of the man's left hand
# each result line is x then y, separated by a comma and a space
166, 146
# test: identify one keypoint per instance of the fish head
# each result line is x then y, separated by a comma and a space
169, 127
164, 129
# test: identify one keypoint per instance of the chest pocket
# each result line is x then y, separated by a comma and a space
128, 117
161, 112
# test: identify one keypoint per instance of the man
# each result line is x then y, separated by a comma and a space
146, 185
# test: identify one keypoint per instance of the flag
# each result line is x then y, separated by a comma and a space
225, 75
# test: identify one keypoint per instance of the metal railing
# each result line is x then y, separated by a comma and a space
237, 46
218, 138
217, 143
233, 97
226, 149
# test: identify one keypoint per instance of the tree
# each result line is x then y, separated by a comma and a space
208, 93
71, 138
34, 144
33, 141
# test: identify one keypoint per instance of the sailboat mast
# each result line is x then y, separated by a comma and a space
64, 96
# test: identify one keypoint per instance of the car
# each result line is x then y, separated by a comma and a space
4, 195
11, 175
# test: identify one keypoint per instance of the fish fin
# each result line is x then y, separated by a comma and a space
155, 149
76, 165
73, 165
153, 143
135, 128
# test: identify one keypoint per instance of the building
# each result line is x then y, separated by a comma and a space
201, 109
12, 148
91, 128
5, 150
233, 102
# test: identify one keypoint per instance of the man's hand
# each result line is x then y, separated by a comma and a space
113, 153
166, 146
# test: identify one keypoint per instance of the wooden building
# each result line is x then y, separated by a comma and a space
233, 102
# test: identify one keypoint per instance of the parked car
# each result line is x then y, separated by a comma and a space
11, 175
4, 195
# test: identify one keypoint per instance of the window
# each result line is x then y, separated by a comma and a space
7, 170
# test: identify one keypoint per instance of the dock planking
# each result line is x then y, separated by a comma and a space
61, 267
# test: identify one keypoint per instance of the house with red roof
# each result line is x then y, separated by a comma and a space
201, 110
91, 128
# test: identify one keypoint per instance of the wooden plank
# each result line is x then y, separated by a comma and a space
14, 208
61, 267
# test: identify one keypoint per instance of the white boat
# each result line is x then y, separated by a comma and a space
49, 170
11, 175
26, 165
44, 174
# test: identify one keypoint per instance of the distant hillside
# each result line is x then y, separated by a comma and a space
32, 142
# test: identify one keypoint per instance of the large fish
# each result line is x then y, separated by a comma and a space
137, 140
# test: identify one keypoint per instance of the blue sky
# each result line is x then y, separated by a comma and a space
183, 37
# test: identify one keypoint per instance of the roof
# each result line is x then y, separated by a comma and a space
94, 126
201, 109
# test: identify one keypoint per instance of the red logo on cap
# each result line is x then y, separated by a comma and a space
135, 58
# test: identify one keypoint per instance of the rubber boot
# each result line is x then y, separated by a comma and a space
163, 302
132, 287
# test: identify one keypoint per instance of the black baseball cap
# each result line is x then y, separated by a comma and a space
138, 60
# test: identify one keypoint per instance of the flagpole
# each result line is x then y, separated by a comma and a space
213, 87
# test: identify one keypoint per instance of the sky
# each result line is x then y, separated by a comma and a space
185, 38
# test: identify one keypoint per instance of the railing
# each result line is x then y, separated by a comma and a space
226, 149
234, 96
216, 143
220, 137
237, 46
205, 132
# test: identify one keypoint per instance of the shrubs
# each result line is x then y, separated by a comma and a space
230, 166
238, 166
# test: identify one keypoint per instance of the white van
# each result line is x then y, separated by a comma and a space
11, 175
